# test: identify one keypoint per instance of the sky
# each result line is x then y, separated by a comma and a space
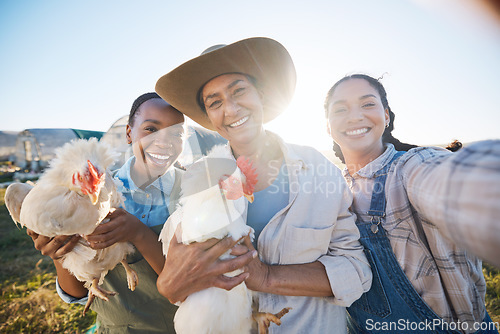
80, 64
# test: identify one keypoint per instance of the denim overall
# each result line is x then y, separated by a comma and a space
392, 305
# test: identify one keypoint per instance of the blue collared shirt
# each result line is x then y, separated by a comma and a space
268, 202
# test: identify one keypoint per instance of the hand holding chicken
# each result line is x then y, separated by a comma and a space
73, 197
213, 206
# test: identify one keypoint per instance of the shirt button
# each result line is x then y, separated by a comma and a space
143, 216
147, 195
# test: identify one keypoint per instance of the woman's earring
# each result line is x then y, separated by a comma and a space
387, 125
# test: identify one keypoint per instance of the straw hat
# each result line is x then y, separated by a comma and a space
262, 58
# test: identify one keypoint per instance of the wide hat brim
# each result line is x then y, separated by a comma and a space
262, 58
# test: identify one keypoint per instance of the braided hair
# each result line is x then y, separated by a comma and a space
135, 108
387, 136
137, 103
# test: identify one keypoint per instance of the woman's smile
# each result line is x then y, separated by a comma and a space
239, 122
234, 106
357, 118
157, 159
357, 132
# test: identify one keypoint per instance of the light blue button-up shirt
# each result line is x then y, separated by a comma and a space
151, 204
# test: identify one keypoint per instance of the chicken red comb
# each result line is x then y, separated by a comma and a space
95, 177
93, 171
246, 167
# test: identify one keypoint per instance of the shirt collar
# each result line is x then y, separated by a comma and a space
369, 170
289, 154
164, 183
291, 157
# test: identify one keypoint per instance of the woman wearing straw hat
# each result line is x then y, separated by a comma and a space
310, 257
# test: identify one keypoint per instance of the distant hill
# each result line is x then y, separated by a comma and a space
7, 144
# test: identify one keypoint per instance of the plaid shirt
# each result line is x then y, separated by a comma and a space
441, 206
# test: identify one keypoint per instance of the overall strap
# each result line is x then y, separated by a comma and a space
377, 204
392, 297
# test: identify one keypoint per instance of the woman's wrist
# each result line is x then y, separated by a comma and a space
139, 234
267, 280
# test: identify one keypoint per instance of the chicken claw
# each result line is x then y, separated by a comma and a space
94, 291
264, 319
132, 278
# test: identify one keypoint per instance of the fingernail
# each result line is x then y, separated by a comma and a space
254, 254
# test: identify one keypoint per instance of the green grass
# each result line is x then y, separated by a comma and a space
492, 275
28, 299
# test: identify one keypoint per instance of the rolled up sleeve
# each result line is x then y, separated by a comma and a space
69, 299
459, 193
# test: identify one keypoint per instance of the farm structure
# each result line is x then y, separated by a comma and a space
7, 145
32, 149
36, 147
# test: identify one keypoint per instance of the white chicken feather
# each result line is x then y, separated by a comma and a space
73, 196
204, 213
213, 205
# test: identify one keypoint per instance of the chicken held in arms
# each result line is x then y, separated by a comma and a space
73, 196
215, 191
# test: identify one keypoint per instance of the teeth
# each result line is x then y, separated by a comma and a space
241, 121
356, 132
157, 156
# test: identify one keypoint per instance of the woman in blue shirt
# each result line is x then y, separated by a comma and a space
150, 185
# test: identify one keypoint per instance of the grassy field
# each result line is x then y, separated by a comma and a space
29, 302
492, 276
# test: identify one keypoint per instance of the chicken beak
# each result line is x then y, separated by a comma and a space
250, 198
94, 197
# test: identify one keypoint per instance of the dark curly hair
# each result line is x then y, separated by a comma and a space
387, 135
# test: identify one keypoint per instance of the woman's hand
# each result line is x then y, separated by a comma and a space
55, 247
258, 270
121, 227
306, 279
194, 267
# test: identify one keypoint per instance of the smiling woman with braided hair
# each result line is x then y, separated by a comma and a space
150, 185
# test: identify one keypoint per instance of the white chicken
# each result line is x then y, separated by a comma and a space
73, 196
213, 205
